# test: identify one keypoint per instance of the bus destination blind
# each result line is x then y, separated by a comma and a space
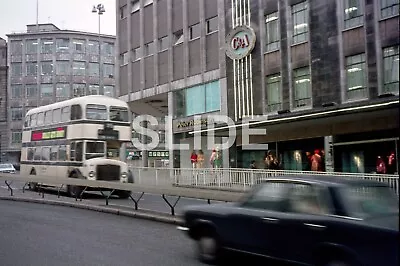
49, 134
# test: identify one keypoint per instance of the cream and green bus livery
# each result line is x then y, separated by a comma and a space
77, 138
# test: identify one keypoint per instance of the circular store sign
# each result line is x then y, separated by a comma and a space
240, 42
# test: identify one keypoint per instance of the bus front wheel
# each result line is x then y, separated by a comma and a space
74, 191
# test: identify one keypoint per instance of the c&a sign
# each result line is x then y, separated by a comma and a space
240, 42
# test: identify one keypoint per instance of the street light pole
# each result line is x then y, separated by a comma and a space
99, 9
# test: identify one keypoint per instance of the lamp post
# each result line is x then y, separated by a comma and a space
99, 9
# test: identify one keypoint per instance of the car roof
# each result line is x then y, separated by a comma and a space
328, 180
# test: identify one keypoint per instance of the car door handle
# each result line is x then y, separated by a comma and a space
270, 220
315, 226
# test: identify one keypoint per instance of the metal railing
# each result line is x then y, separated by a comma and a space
235, 179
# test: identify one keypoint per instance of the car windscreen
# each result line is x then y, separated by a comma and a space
369, 201
6, 166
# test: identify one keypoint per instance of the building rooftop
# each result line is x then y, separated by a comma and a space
46, 28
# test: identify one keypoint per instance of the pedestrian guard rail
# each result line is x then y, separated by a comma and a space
161, 188
235, 179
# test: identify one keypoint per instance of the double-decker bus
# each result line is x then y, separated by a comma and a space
77, 138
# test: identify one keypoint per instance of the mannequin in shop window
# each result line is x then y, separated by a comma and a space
316, 161
391, 169
380, 166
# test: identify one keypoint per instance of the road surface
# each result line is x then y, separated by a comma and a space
38, 235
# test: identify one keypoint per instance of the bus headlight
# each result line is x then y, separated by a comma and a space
124, 175
91, 174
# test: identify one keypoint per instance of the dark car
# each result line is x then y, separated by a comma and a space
322, 220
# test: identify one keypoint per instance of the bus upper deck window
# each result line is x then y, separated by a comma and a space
119, 114
33, 120
48, 117
65, 114
96, 112
57, 115
40, 119
76, 112
27, 120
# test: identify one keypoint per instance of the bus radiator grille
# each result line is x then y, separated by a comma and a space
108, 172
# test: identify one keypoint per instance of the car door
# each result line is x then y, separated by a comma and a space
306, 221
255, 223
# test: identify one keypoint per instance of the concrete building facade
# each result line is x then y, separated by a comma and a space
320, 77
3, 97
47, 65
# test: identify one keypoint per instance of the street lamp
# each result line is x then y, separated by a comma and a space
99, 9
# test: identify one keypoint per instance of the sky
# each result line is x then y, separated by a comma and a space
65, 14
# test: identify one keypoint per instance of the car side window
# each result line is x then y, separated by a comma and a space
269, 196
304, 198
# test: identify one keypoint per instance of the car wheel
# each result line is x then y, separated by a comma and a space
208, 248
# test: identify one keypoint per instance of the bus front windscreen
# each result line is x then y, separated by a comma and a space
95, 149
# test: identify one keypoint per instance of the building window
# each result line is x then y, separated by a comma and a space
136, 54
79, 90
63, 68
300, 22
16, 113
356, 77
78, 68
135, 5
198, 99
78, 46
94, 90
274, 99
62, 90
62, 45
47, 68
124, 59
212, 25
194, 31
391, 70
272, 32
93, 47
107, 49
47, 46
353, 13
31, 46
389, 8
31, 69
16, 69
94, 69
163, 43
16, 91
108, 71
122, 12
46, 90
16, 47
149, 49
31, 91
178, 37
109, 91
302, 87
16, 137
